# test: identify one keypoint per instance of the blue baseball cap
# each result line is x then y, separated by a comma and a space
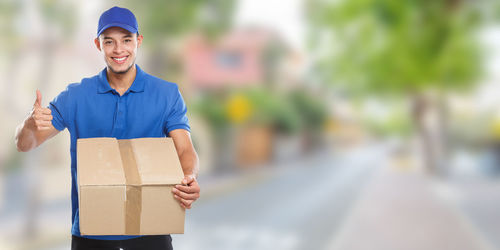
117, 17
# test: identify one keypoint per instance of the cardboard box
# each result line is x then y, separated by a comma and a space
125, 186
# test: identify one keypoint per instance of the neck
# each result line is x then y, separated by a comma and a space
121, 82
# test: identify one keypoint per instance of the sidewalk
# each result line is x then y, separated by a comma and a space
400, 211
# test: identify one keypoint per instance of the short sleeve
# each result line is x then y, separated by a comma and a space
59, 108
176, 117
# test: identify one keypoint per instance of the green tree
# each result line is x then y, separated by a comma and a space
163, 23
399, 48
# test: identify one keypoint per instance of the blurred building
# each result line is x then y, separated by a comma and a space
244, 57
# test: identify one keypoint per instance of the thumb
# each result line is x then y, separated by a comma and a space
38, 101
187, 179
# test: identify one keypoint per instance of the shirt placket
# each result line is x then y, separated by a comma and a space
120, 116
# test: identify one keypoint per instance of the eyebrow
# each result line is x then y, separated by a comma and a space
126, 36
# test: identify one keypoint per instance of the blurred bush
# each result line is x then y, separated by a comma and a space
311, 110
254, 125
287, 113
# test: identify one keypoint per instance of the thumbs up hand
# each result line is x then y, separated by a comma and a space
40, 118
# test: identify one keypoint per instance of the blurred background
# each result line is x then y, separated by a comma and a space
346, 124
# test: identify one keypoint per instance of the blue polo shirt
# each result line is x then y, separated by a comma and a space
151, 107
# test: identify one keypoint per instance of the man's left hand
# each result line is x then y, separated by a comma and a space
188, 192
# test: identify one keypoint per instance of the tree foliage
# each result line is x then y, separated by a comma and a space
161, 20
396, 46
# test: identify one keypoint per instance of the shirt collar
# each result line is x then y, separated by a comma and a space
137, 85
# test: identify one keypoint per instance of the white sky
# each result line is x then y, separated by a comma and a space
286, 17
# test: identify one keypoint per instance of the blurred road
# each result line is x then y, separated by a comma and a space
50, 219
478, 197
354, 199
297, 205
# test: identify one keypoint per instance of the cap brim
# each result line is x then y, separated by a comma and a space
121, 25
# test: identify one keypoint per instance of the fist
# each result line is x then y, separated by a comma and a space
188, 192
40, 118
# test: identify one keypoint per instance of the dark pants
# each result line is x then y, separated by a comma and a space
150, 242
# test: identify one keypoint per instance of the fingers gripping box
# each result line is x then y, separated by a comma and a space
125, 186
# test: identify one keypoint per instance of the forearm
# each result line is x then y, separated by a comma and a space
189, 191
31, 133
25, 137
189, 162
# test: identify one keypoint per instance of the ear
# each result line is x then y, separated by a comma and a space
139, 40
97, 43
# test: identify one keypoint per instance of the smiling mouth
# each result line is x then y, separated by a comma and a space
119, 60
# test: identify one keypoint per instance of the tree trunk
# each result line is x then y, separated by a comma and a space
429, 118
442, 112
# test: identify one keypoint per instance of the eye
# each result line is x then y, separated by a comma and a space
128, 40
108, 42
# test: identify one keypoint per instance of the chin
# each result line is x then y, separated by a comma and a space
120, 71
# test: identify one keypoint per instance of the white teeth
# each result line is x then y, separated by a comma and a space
120, 59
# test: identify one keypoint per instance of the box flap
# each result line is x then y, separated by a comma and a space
99, 162
161, 212
157, 161
102, 209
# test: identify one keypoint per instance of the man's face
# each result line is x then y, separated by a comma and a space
119, 48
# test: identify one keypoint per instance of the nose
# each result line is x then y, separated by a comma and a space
118, 48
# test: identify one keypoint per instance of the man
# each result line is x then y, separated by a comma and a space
123, 102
